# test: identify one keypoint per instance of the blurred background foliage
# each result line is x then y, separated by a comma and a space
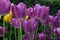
54, 4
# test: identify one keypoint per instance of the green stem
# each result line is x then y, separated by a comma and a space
51, 32
3, 30
44, 33
15, 33
10, 31
20, 33
36, 32
31, 35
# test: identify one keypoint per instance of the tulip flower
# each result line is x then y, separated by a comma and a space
41, 36
44, 15
56, 31
50, 20
22, 7
57, 19
27, 36
2, 31
15, 11
4, 7
19, 10
15, 23
30, 25
37, 11
29, 12
8, 17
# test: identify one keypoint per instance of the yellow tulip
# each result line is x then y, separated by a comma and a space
0, 17
8, 17
26, 18
10, 13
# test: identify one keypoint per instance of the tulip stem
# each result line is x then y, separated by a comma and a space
31, 35
51, 31
20, 33
10, 31
36, 32
44, 33
3, 31
15, 33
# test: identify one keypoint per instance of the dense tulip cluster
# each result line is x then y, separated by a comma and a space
29, 18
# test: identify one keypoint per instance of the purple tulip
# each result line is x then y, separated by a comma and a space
37, 11
56, 31
2, 31
50, 20
41, 36
4, 7
25, 37
54, 22
19, 11
28, 36
29, 12
57, 19
24, 25
15, 11
22, 7
30, 25
44, 15
15, 23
